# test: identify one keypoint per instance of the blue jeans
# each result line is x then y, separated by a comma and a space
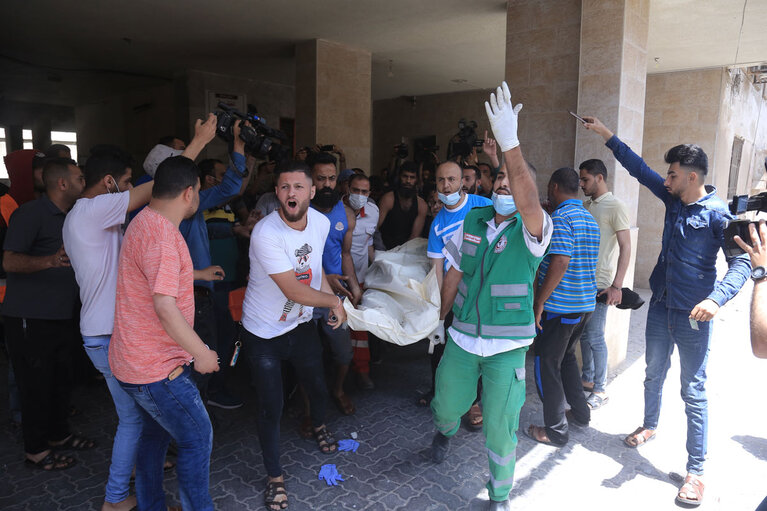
666, 328
125, 446
594, 349
172, 408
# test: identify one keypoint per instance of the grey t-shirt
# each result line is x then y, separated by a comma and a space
35, 229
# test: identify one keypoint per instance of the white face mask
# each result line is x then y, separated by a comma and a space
450, 200
503, 204
117, 188
357, 201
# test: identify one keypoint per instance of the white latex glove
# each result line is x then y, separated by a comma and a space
437, 336
503, 118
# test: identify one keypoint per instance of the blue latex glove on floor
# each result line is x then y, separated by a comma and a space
348, 445
330, 474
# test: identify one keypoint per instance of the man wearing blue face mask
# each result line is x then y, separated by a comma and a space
492, 260
457, 203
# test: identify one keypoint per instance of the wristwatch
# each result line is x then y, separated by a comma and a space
758, 273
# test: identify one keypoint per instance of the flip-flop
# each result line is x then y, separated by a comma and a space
638, 433
52, 460
596, 401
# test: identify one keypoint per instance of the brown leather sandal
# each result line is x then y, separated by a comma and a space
640, 436
691, 492
275, 489
325, 441
474, 418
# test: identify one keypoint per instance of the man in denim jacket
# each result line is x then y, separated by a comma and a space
685, 292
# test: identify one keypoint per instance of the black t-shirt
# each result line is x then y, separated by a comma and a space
35, 230
398, 225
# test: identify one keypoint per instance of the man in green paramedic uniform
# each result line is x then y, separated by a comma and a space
489, 285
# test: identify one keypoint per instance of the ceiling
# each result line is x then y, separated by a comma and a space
67, 52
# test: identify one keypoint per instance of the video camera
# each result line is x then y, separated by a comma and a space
464, 141
739, 205
258, 137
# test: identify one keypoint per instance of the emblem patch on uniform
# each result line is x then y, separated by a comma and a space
471, 238
500, 245
340, 226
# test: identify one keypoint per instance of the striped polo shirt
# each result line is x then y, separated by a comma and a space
576, 234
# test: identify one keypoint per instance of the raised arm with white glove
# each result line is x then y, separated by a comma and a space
503, 118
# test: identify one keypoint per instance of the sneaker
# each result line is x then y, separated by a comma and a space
224, 400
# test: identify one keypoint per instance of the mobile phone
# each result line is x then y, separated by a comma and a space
577, 117
326, 148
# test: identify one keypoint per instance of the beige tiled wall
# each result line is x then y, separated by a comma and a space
333, 98
680, 107
542, 59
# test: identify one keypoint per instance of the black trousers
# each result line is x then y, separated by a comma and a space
205, 327
303, 349
558, 378
41, 354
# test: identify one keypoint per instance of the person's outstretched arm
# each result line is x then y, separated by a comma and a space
503, 120
631, 161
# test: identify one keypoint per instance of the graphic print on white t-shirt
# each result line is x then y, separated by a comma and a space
303, 272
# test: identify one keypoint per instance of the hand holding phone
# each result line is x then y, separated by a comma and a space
577, 117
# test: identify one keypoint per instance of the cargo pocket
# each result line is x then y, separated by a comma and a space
511, 303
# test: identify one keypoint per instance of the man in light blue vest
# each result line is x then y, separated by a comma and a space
492, 260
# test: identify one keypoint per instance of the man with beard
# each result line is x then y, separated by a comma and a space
685, 292
614, 254
338, 266
286, 283
470, 179
493, 258
402, 212
153, 342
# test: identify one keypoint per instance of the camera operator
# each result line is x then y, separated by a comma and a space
758, 254
195, 232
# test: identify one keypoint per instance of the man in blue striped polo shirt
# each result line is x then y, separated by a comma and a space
564, 300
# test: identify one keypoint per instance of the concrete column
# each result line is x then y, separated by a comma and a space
612, 77
333, 98
588, 56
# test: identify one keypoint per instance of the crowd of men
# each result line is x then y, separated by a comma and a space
151, 301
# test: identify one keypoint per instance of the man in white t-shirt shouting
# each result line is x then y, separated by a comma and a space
286, 283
